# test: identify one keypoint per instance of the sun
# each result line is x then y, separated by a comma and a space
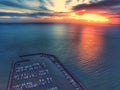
89, 17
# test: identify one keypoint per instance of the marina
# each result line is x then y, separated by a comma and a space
41, 72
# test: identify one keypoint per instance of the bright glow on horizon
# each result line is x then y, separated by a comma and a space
89, 17
94, 17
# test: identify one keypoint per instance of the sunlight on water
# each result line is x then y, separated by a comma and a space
88, 42
90, 46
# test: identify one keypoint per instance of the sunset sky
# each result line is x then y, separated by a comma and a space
57, 10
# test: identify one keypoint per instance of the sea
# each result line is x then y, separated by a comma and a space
90, 52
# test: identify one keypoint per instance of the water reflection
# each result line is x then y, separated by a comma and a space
90, 45
59, 31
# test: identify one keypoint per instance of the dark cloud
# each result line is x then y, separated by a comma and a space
25, 14
11, 14
106, 4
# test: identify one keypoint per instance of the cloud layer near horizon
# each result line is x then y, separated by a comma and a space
40, 8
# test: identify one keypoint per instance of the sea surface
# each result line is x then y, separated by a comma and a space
90, 52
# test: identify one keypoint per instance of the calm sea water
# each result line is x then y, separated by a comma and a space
90, 52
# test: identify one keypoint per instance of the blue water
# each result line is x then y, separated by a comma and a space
90, 52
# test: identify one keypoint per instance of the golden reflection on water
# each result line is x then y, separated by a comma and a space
90, 45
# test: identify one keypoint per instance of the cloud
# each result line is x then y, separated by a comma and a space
47, 5
12, 14
31, 3
61, 5
11, 4
23, 4
111, 4
26, 14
